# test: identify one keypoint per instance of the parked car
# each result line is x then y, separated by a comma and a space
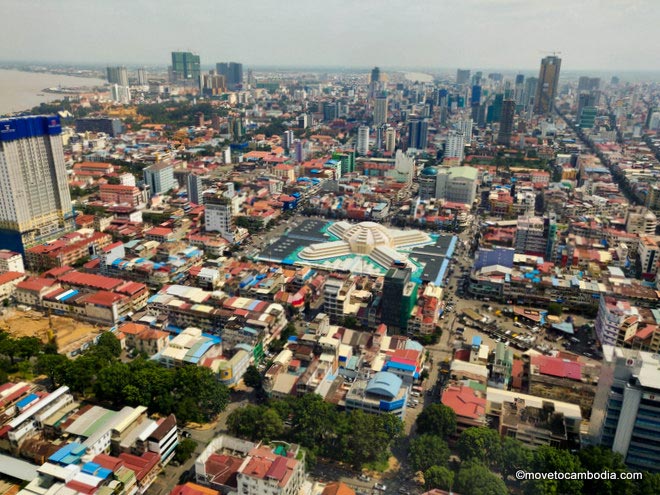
380, 486
364, 477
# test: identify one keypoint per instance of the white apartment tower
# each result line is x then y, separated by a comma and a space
363, 140
35, 204
455, 145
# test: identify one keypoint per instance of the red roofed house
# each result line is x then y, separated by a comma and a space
469, 407
193, 489
266, 472
8, 283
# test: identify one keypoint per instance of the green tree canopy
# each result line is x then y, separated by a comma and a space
480, 444
548, 459
185, 450
437, 419
513, 456
428, 450
476, 479
438, 477
252, 377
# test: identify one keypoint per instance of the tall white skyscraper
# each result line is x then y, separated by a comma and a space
35, 204
120, 94
455, 145
363, 140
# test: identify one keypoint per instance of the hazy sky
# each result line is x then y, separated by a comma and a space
591, 34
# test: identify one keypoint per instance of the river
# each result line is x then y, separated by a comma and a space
419, 76
20, 91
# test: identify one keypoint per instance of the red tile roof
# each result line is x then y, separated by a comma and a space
464, 401
563, 368
7, 277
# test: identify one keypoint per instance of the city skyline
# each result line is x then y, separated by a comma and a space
423, 37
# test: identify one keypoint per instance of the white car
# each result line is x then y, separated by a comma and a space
380, 486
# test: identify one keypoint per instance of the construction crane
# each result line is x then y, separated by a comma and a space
554, 54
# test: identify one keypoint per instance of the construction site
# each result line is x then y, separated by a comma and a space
72, 336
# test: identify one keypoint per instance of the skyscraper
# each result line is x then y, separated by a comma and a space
375, 75
117, 75
142, 77
529, 92
194, 187
506, 122
462, 76
519, 89
390, 139
380, 109
233, 72
330, 111
418, 131
465, 126
363, 140
455, 145
546, 88
625, 411
35, 204
186, 69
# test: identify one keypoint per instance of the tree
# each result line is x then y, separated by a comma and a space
554, 309
597, 459
476, 479
210, 396
437, 419
427, 451
243, 422
185, 450
252, 377
438, 477
110, 342
513, 456
548, 459
481, 444
27, 347
367, 436
53, 366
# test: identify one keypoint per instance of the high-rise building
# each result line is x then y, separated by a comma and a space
120, 94
530, 91
546, 88
142, 77
186, 69
506, 122
390, 139
287, 139
375, 75
475, 97
218, 215
393, 309
111, 126
455, 145
117, 75
35, 204
462, 76
380, 109
363, 140
465, 126
195, 188
302, 121
625, 417
159, 177
519, 89
233, 72
213, 84
418, 131
330, 111
586, 83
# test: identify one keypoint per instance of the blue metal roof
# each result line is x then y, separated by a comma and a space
26, 400
384, 383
